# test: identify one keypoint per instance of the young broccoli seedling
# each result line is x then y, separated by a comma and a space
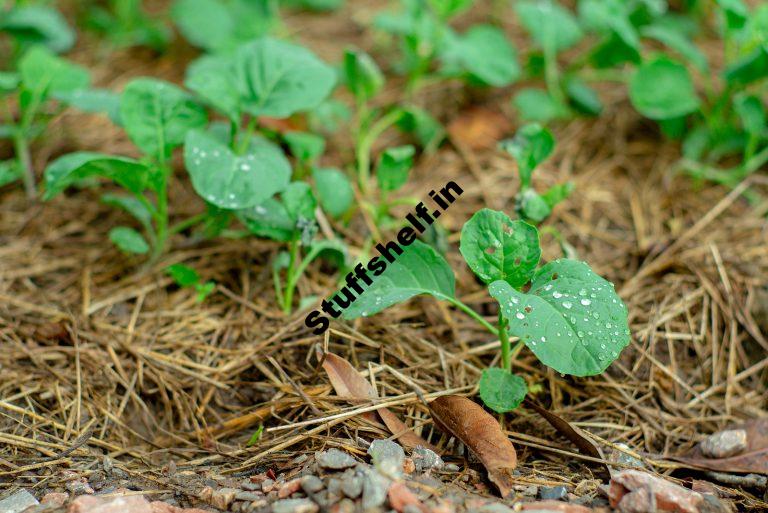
125, 24
156, 116
30, 25
42, 77
187, 277
568, 316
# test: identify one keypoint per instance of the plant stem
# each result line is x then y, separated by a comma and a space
506, 359
365, 143
476, 316
161, 214
21, 147
293, 277
187, 223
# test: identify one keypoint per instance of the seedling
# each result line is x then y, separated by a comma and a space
532, 145
568, 316
41, 77
186, 277
156, 116
482, 55
125, 23
31, 25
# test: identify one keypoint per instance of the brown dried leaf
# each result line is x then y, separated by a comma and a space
347, 382
574, 434
753, 459
479, 431
479, 128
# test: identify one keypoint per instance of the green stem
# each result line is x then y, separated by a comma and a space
161, 214
476, 316
552, 74
246, 139
365, 144
293, 277
187, 223
506, 359
21, 147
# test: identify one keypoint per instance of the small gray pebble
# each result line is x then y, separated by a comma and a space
311, 484
295, 506
352, 486
267, 484
426, 459
553, 493
18, 502
248, 496
411, 508
496, 507
387, 457
246, 484
334, 459
374, 489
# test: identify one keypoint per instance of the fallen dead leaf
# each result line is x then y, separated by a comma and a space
574, 434
481, 433
753, 458
479, 128
347, 382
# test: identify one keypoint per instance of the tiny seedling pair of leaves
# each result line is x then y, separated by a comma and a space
570, 317
156, 116
530, 146
186, 277
221, 25
33, 25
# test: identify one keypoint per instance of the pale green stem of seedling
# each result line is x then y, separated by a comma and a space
506, 360
365, 143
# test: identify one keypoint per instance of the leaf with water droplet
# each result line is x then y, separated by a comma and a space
565, 322
498, 248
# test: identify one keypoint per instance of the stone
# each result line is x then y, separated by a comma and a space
223, 497
388, 457
55, 498
248, 496
352, 485
426, 459
374, 489
163, 507
553, 493
335, 459
289, 488
121, 504
295, 506
79, 486
18, 502
634, 491
311, 484
267, 485
622, 457
401, 498
724, 444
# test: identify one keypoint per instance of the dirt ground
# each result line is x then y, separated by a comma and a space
110, 373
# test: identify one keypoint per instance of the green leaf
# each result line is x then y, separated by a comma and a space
582, 97
613, 52
427, 130
43, 73
233, 181
557, 193
305, 146
329, 116
207, 24
679, 43
609, 16
530, 146
393, 166
501, 390
419, 270
538, 105
362, 75
270, 219
128, 240
750, 68
532, 207
131, 205
74, 167
334, 191
752, 114
212, 79
498, 248
157, 116
96, 101
548, 23
299, 201
485, 53
183, 275
35, 24
571, 318
663, 89
9, 172
447, 9
204, 290
9, 82
278, 79
736, 13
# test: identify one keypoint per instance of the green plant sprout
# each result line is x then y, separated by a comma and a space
531, 145
126, 24
41, 77
568, 316
156, 116
31, 24
186, 277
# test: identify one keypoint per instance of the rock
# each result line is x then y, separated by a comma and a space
352, 485
343, 506
554, 507
725, 443
334, 459
267, 485
295, 506
55, 498
554, 493
78, 486
624, 458
530, 491
409, 467
162, 507
401, 497
634, 491
223, 497
248, 496
250, 486
495, 508
289, 488
123, 504
374, 489
388, 457
426, 459
311, 484
18, 502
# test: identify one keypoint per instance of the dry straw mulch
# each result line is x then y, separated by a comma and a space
99, 356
